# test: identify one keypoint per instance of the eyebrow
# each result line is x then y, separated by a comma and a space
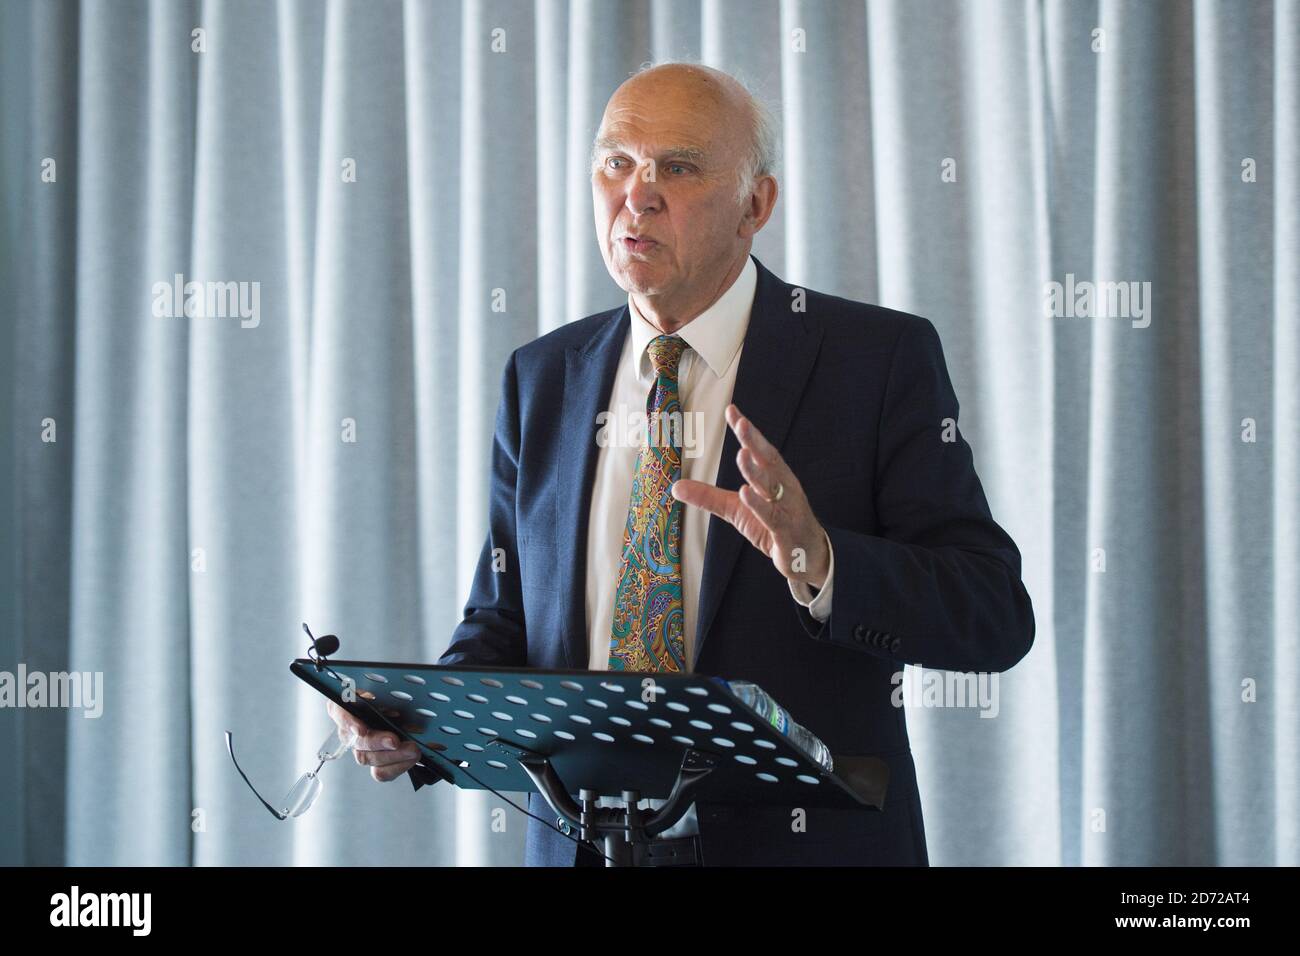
693, 154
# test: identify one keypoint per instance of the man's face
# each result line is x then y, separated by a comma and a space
664, 178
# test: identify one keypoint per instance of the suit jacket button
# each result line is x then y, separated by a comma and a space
895, 645
860, 632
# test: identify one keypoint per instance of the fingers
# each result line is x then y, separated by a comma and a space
378, 742
726, 505
701, 494
749, 436
762, 467
349, 728
790, 521
387, 756
346, 723
763, 479
766, 511
766, 463
784, 529
392, 771
386, 764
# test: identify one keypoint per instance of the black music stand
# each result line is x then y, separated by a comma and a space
677, 738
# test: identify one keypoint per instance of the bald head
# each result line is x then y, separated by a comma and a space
720, 97
682, 180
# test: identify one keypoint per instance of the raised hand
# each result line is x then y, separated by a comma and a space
770, 510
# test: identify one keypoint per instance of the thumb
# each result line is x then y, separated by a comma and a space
700, 494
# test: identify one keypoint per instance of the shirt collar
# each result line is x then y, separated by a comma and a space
716, 334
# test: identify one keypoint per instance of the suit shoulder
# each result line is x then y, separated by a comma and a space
552, 346
850, 321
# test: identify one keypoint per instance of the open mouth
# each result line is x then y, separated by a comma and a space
632, 244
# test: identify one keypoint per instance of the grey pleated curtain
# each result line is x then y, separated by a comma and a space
948, 159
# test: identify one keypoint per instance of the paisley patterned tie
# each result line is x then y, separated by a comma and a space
647, 630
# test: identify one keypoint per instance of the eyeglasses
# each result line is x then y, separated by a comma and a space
303, 793
307, 789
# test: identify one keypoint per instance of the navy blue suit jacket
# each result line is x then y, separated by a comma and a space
856, 397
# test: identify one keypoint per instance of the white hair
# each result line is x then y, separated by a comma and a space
765, 140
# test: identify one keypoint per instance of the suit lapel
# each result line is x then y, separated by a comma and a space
588, 380
780, 348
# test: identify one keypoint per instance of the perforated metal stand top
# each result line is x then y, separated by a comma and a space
574, 736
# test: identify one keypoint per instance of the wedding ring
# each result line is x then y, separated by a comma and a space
778, 491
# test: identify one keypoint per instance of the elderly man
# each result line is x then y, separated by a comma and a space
816, 524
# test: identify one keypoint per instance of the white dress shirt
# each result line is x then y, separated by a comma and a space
706, 377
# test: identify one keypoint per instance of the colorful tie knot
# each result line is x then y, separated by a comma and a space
665, 352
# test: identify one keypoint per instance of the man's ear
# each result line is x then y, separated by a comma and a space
758, 209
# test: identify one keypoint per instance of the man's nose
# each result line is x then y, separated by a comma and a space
642, 190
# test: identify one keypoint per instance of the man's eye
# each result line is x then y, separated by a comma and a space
612, 160
676, 168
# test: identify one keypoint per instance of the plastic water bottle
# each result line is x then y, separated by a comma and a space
762, 704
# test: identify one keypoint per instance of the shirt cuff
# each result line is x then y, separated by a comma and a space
818, 602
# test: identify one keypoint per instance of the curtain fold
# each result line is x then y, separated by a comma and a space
395, 195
